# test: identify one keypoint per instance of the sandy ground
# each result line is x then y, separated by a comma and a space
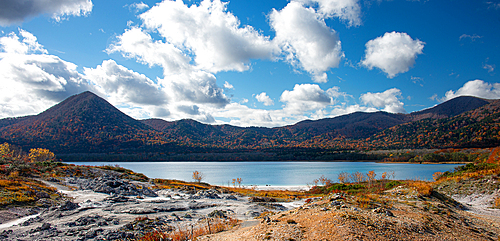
480, 204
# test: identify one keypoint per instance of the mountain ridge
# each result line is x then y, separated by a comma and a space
86, 123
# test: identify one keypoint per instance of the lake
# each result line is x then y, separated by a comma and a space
274, 173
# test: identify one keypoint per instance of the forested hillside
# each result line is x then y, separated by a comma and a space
88, 124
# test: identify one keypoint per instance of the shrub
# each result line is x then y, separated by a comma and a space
392, 184
423, 188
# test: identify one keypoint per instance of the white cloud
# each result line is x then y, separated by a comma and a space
477, 88
137, 7
388, 100
29, 44
227, 85
346, 10
471, 37
124, 86
393, 53
196, 87
493, 5
16, 11
32, 80
306, 97
306, 40
210, 33
241, 115
264, 98
135, 43
489, 67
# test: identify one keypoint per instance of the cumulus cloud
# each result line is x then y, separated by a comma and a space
29, 44
135, 43
197, 87
306, 97
388, 100
122, 85
32, 80
242, 115
137, 7
309, 101
478, 88
264, 98
346, 10
227, 85
306, 40
210, 33
16, 11
192, 112
393, 53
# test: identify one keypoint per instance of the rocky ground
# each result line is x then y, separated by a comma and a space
110, 208
398, 214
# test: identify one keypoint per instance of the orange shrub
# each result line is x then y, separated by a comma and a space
423, 188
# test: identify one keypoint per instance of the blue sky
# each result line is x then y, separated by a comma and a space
248, 63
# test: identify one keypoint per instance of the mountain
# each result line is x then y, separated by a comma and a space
81, 123
357, 125
479, 127
86, 123
450, 108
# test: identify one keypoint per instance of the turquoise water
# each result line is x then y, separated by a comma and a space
274, 173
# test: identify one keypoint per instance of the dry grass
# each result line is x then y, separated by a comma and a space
496, 203
284, 195
21, 191
208, 226
168, 184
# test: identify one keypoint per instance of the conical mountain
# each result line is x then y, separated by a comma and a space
81, 123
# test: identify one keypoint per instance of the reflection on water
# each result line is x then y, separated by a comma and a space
274, 173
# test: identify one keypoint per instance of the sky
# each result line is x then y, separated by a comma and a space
248, 63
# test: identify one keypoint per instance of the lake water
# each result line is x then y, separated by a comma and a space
274, 173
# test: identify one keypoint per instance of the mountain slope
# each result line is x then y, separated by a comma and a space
357, 125
479, 127
81, 123
86, 123
450, 108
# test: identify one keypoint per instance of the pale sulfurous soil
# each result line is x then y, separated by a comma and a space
110, 208
399, 214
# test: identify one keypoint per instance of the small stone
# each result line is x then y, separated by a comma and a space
45, 226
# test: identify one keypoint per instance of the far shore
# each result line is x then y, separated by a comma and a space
423, 162
278, 188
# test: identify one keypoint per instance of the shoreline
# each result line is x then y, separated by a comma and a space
279, 187
423, 162
208, 161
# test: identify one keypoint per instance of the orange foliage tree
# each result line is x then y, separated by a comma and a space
40, 155
198, 176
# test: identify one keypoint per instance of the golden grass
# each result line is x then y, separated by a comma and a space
496, 203
211, 226
17, 191
470, 175
278, 194
168, 184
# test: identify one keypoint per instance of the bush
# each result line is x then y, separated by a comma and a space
392, 184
